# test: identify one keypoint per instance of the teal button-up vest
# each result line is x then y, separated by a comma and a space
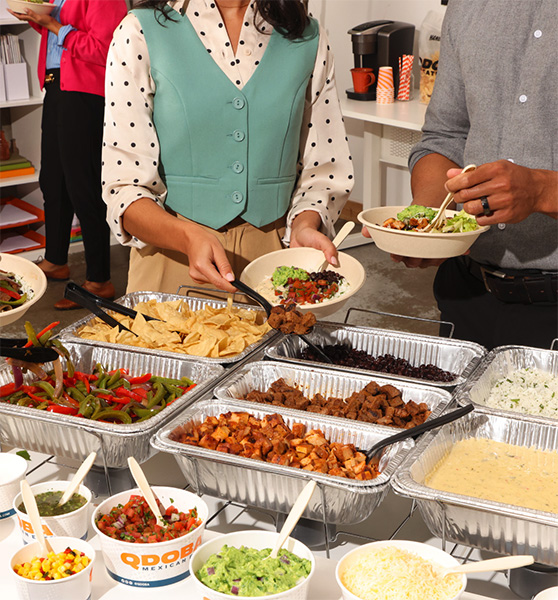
227, 152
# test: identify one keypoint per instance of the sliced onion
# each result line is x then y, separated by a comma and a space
59, 377
210, 571
18, 376
234, 590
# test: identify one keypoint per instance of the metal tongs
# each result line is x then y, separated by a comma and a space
95, 304
251, 293
14, 348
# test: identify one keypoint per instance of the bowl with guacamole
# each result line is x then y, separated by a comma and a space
70, 519
236, 565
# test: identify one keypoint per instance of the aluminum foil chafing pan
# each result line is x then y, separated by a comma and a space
130, 300
456, 356
493, 526
76, 437
276, 487
500, 363
260, 375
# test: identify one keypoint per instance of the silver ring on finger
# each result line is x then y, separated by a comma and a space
485, 206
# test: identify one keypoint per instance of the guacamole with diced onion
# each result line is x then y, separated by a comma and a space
282, 274
244, 572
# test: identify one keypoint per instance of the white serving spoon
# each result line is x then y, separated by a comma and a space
492, 564
33, 513
293, 517
78, 478
442, 210
343, 233
147, 492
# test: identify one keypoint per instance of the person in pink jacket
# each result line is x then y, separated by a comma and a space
75, 38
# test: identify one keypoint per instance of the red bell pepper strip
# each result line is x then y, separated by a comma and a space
8, 389
41, 333
141, 379
83, 378
63, 410
10, 293
113, 399
122, 391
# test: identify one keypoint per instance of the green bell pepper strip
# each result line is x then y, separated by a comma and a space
17, 302
118, 415
31, 334
159, 390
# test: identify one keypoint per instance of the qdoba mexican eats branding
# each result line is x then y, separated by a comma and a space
157, 562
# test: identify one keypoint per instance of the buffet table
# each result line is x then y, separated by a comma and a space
392, 519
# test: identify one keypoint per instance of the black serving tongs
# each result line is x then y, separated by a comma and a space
251, 293
13, 348
375, 453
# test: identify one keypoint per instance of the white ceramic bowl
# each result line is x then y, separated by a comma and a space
548, 594
252, 539
12, 471
307, 258
29, 273
157, 564
75, 587
41, 8
423, 550
413, 243
73, 524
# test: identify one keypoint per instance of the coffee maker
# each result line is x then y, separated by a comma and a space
380, 44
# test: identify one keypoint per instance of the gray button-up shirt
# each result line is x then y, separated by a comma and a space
496, 97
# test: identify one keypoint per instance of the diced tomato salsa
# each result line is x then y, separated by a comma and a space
134, 522
307, 292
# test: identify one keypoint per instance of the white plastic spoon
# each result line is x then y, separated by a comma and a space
293, 516
343, 233
78, 478
492, 564
35, 518
147, 493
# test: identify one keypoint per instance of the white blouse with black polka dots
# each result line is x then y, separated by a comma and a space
131, 148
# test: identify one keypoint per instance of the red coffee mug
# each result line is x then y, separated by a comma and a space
363, 78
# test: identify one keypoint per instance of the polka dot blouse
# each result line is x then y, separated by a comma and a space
131, 148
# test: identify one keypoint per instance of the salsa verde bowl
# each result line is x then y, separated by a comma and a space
153, 564
414, 243
251, 539
350, 268
71, 524
351, 570
12, 471
74, 587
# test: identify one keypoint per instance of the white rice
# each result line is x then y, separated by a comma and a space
528, 391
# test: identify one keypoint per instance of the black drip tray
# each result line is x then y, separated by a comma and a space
527, 582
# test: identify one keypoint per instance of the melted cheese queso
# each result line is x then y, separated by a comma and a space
500, 472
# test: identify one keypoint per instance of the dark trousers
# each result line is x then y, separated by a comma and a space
479, 317
70, 179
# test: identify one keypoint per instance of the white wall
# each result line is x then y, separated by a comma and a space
337, 17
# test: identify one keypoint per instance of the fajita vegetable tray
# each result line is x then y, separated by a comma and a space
75, 437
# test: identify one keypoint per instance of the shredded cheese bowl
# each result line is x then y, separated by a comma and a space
398, 570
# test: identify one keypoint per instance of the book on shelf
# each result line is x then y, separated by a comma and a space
17, 172
20, 165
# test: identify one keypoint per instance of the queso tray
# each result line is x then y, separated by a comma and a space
260, 375
130, 300
456, 356
485, 524
76, 437
276, 487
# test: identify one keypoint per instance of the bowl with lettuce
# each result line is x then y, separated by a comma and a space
37, 6
400, 230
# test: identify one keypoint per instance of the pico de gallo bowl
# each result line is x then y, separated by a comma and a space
137, 551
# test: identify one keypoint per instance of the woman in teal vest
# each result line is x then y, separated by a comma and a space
223, 138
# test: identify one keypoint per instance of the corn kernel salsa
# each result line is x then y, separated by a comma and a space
134, 522
54, 566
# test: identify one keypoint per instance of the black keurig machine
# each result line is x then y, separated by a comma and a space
380, 44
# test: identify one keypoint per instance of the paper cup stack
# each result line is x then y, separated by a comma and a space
384, 89
405, 68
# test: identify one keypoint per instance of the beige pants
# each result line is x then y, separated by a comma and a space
159, 270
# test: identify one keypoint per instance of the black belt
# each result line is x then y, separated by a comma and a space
52, 75
517, 287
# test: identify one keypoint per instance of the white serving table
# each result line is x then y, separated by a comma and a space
391, 516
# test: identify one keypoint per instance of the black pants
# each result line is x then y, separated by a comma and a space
479, 317
70, 179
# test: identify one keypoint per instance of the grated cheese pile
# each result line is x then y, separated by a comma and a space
394, 574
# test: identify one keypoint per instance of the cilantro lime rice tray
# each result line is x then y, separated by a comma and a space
516, 380
256, 314
76, 437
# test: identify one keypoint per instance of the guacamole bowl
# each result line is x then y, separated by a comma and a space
257, 540
261, 269
73, 523
152, 564
414, 243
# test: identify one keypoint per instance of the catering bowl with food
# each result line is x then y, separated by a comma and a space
38, 6
63, 574
236, 565
398, 569
397, 230
12, 471
287, 276
22, 284
70, 519
136, 550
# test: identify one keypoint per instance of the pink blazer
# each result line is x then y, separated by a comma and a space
83, 62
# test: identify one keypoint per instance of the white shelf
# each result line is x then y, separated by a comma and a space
406, 115
11, 181
31, 101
